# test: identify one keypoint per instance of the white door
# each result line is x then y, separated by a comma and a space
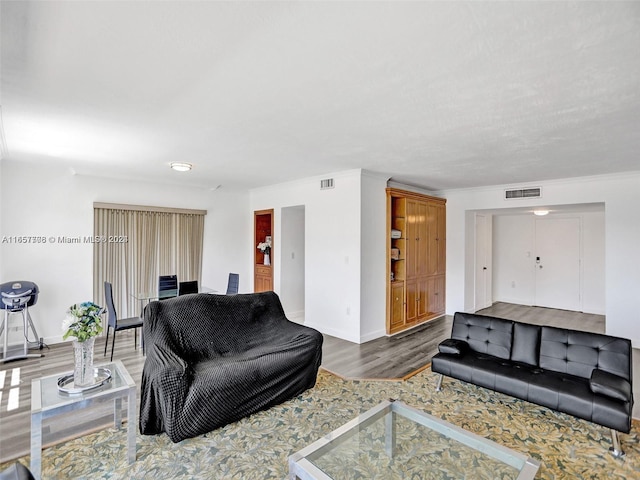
483, 277
557, 263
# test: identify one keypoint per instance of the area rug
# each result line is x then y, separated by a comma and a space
258, 447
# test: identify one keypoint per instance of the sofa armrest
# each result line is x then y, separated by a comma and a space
453, 346
610, 385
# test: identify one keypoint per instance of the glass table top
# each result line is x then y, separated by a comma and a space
394, 440
52, 397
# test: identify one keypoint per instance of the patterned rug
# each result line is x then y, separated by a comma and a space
258, 447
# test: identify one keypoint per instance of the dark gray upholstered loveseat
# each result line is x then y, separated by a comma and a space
588, 375
213, 359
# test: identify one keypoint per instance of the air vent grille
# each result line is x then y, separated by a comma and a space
326, 183
532, 192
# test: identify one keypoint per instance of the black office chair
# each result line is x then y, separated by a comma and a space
167, 286
188, 287
233, 284
116, 323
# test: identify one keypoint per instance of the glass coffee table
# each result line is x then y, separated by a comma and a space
47, 401
393, 440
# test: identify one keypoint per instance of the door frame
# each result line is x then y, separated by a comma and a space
258, 237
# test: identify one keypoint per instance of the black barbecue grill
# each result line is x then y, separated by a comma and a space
17, 297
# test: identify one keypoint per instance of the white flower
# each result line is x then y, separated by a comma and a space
264, 246
68, 321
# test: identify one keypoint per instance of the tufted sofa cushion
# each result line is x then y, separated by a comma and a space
578, 353
484, 334
526, 343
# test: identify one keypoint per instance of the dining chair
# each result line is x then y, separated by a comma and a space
167, 286
188, 287
118, 324
233, 284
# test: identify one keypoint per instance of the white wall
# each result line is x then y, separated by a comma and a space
333, 250
51, 202
373, 299
593, 265
293, 261
621, 197
514, 259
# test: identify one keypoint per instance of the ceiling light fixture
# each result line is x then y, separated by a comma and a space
181, 167
540, 212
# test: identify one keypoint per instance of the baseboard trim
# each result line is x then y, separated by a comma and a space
372, 336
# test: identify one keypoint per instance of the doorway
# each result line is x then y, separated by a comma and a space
292, 263
263, 253
570, 243
557, 263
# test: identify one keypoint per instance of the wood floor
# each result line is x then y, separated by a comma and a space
395, 357
390, 358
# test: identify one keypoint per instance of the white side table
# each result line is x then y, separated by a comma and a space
48, 402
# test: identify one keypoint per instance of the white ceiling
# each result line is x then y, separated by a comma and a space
435, 94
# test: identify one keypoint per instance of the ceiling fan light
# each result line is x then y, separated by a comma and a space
181, 167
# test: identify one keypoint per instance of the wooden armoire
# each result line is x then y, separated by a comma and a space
416, 256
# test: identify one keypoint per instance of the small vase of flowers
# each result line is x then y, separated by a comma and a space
265, 247
83, 322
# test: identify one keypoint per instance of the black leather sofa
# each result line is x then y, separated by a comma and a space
214, 359
588, 375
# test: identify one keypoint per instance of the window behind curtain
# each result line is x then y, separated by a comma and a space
134, 245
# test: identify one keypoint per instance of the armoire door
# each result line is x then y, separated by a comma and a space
397, 304
412, 302
412, 239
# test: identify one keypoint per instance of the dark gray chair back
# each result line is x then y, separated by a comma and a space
188, 287
167, 286
112, 316
233, 284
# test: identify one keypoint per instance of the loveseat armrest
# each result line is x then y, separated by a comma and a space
453, 346
165, 383
610, 385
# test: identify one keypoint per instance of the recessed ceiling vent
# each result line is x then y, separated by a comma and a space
532, 192
326, 183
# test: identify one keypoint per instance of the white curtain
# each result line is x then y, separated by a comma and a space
135, 245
